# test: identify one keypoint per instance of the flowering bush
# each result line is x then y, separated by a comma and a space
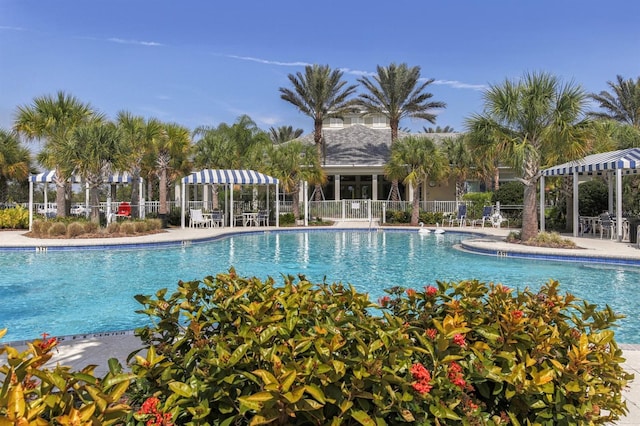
491, 355
230, 350
31, 394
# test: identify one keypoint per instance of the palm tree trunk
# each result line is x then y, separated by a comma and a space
415, 207
296, 202
529, 212
93, 202
61, 211
162, 210
395, 191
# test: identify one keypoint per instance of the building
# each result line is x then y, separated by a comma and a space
356, 148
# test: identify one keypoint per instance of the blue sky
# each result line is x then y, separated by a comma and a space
207, 62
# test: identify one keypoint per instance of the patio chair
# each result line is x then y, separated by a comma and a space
262, 218
497, 220
487, 211
197, 219
461, 218
606, 225
217, 218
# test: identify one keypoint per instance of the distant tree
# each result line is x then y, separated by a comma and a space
171, 152
15, 161
461, 162
319, 93
534, 122
416, 159
396, 92
622, 104
93, 149
284, 134
54, 118
138, 135
438, 129
293, 163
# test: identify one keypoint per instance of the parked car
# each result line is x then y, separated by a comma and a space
78, 210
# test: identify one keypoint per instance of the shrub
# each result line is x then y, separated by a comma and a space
14, 218
510, 193
113, 228
75, 229
153, 224
476, 202
57, 229
40, 228
230, 350
593, 196
128, 227
31, 394
398, 216
140, 226
287, 219
90, 227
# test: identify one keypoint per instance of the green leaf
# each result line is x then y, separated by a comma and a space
442, 412
238, 354
294, 396
362, 418
256, 401
181, 389
266, 377
315, 392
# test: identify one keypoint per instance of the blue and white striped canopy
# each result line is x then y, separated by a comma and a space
626, 159
49, 176
243, 177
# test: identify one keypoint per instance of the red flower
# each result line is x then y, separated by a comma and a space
384, 301
47, 344
411, 292
431, 333
154, 417
459, 340
431, 290
455, 375
422, 377
421, 387
517, 314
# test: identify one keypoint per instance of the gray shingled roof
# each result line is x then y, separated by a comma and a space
361, 145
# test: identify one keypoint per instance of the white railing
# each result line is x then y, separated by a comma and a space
369, 209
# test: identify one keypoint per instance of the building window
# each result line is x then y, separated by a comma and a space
357, 120
379, 121
335, 122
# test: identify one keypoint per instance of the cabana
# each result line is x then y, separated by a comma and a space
624, 161
230, 178
50, 176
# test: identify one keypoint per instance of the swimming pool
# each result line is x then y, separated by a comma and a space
76, 292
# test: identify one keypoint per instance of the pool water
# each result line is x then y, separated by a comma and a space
75, 292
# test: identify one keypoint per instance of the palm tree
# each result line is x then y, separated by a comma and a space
293, 163
438, 129
416, 159
623, 105
54, 118
535, 122
284, 134
171, 151
138, 136
396, 92
460, 162
15, 161
319, 93
93, 150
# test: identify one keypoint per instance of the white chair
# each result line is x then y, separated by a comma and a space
197, 219
497, 220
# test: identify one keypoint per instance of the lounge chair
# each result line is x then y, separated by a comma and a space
197, 219
461, 218
487, 211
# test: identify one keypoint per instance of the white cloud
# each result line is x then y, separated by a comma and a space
137, 42
268, 62
460, 85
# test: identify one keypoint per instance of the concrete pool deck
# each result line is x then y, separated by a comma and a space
81, 350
